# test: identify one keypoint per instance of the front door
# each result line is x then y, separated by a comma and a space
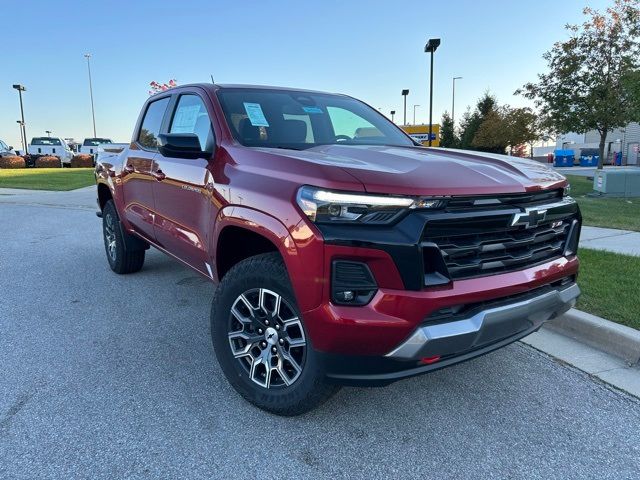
183, 189
137, 179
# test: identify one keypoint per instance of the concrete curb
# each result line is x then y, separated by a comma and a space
610, 337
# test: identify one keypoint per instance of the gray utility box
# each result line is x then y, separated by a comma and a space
618, 183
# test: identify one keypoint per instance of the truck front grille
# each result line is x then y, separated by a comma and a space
477, 253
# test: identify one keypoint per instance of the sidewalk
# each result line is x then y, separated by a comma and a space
611, 240
603, 366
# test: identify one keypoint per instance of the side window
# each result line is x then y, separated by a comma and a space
348, 123
148, 136
191, 117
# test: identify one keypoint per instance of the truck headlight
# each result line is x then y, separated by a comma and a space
323, 206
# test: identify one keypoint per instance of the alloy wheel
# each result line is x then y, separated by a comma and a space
267, 338
110, 236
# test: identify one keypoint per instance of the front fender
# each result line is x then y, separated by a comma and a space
303, 260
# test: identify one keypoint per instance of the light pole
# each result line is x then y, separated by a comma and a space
431, 47
48, 132
20, 89
393, 112
93, 113
414, 113
453, 101
405, 92
22, 140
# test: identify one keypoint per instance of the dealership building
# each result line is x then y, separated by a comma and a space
625, 140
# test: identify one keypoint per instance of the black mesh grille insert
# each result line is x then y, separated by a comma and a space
478, 253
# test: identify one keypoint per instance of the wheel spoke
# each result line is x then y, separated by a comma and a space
276, 307
290, 321
244, 300
238, 316
286, 356
297, 342
250, 342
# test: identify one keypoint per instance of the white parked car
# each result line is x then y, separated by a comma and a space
5, 150
90, 145
54, 146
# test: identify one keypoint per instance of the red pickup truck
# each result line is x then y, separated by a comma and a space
344, 253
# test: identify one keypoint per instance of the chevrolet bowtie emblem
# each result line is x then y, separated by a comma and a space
530, 218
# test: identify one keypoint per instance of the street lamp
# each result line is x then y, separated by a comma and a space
22, 139
414, 113
48, 132
405, 92
431, 47
20, 89
453, 101
393, 112
93, 113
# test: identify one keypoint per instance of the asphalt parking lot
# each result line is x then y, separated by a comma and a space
107, 376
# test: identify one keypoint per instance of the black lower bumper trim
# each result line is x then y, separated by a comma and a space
364, 371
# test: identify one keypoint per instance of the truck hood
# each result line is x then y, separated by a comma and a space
432, 171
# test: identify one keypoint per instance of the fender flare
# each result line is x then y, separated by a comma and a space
277, 233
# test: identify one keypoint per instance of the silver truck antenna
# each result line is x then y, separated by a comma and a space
212, 80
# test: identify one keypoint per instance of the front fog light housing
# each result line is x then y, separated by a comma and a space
324, 206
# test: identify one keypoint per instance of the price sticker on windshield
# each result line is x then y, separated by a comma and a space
255, 114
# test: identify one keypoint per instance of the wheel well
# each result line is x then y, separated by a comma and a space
237, 243
104, 195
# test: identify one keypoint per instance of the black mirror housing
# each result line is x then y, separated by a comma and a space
181, 145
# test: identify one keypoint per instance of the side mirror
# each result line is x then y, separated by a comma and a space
181, 145
10, 148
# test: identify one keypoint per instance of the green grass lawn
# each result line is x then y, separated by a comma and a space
47, 178
610, 285
621, 213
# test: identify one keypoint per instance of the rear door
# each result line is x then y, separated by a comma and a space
183, 187
137, 180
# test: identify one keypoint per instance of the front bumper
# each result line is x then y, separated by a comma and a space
432, 347
486, 326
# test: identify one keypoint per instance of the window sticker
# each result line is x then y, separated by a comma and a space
185, 119
255, 114
312, 109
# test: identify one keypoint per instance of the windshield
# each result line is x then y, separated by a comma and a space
45, 141
298, 120
94, 142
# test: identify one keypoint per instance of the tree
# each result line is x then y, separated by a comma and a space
493, 133
471, 120
523, 127
448, 137
593, 81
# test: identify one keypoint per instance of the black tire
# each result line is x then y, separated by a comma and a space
120, 259
309, 388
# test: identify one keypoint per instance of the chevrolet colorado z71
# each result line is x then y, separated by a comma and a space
344, 252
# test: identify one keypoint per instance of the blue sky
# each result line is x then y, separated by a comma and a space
369, 49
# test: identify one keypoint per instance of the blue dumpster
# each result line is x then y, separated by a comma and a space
589, 157
563, 158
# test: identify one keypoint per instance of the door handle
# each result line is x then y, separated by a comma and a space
158, 175
128, 169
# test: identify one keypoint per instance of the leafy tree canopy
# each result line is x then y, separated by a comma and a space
593, 82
